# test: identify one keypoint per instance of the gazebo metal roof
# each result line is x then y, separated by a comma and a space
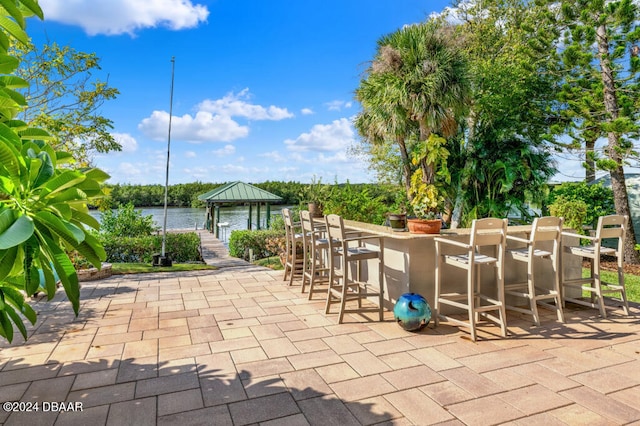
238, 192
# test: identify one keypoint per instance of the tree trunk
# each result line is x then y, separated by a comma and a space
618, 184
406, 166
589, 162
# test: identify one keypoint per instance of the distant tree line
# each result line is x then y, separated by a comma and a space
186, 194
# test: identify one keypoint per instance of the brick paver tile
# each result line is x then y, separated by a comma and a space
263, 368
305, 384
275, 348
576, 414
29, 374
434, 359
485, 411
327, 410
267, 331
373, 411
110, 339
540, 374
184, 351
307, 334
314, 359
312, 345
88, 416
55, 389
165, 332
139, 412
416, 407
177, 402
472, 382
218, 416
605, 405
216, 391
365, 363
295, 420
262, 409
534, 399
144, 323
140, 349
337, 372
248, 355
256, 387
360, 388
206, 334
201, 321
95, 379
399, 360
103, 395
504, 359
446, 393
166, 384
137, 369
412, 377
607, 380
72, 352
233, 344
384, 347
343, 344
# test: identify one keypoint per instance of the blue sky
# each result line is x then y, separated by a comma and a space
263, 89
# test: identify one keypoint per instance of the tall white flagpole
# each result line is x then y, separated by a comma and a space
166, 185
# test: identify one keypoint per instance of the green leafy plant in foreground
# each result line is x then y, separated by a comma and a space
43, 204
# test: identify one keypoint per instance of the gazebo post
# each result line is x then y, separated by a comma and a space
217, 221
250, 216
268, 215
258, 215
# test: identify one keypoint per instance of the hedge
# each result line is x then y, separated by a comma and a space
183, 247
240, 242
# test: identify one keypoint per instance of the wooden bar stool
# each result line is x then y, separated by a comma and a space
490, 232
293, 265
614, 227
316, 251
544, 230
345, 257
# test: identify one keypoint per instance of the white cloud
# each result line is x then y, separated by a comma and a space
203, 127
227, 150
128, 142
306, 111
324, 137
115, 17
273, 156
236, 105
338, 105
213, 121
190, 154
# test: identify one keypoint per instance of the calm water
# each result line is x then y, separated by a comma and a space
190, 218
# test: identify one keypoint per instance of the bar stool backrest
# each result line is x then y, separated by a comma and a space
546, 228
335, 228
489, 232
612, 226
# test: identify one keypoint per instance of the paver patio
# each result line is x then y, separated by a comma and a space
237, 346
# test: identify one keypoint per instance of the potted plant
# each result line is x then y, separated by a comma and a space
397, 218
315, 194
426, 192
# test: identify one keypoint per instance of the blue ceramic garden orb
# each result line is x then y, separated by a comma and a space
412, 312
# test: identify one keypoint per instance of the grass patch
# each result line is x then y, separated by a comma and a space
631, 283
145, 268
270, 262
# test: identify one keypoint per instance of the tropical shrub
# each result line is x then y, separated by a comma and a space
574, 212
240, 242
43, 202
126, 221
597, 198
183, 247
356, 203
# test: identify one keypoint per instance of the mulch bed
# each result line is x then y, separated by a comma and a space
612, 265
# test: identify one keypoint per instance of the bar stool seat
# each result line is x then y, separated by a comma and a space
316, 256
544, 230
490, 232
294, 261
609, 227
344, 258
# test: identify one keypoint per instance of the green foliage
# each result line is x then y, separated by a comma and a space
315, 192
183, 247
126, 221
597, 198
427, 182
67, 99
240, 242
356, 202
43, 203
573, 211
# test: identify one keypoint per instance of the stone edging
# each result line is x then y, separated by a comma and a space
92, 274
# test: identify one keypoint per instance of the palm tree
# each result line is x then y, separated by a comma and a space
415, 86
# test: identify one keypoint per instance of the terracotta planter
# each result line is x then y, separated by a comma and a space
424, 226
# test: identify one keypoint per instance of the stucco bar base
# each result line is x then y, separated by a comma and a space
410, 263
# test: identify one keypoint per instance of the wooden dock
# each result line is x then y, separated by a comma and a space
215, 253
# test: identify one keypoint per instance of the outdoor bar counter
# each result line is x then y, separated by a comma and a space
410, 262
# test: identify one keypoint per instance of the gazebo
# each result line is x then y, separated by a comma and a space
236, 193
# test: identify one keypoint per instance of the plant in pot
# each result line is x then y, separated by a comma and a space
315, 194
426, 192
397, 217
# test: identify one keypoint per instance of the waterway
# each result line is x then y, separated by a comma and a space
191, 218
